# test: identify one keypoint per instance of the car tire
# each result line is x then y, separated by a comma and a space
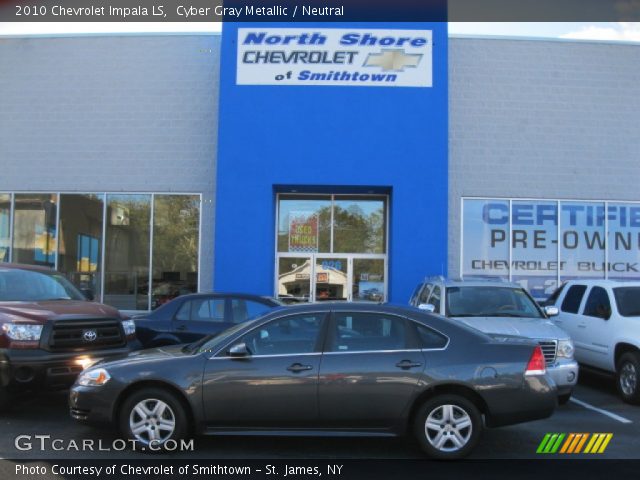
628, 377
152, 416
564, 399
448, 427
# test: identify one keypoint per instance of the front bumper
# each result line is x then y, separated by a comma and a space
93, 405
31, 369
565, 375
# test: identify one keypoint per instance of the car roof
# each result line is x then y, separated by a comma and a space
248, 296
603, 282
20, 266
472, 282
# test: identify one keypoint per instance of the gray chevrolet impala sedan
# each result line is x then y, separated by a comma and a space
324, 369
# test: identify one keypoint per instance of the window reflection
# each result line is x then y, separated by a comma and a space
80, 239
34, 230
5, 230
127, 251
359, 225
304, 224
175, 246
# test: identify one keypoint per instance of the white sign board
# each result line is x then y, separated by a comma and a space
335, 57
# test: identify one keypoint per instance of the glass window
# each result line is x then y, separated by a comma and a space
175, 246
208, 310
534, 246
368, 280
598, 304
571, 302
5, 228
27, 286
429, 338
582, 240
202, 310
424, 295
359, 225
304, 224
628, 301
434, 298
290, 335
356, 332
490, 301
243, 310
127, 251
34, 229
485, 241
554, 296
79, 254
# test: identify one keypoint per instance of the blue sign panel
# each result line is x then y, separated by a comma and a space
321, 138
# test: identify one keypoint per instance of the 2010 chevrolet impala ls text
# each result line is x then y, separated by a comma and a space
325, 369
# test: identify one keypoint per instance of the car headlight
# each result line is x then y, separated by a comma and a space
565, 349
94, 378
22, 332
129, 327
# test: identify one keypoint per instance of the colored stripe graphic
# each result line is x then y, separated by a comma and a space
550, 443
574, 443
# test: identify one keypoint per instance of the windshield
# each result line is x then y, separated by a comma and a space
628, 301
213, 343
490, 301
31, 286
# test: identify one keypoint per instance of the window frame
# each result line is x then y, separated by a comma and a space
586, 303
582, 297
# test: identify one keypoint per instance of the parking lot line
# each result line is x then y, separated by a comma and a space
600, 410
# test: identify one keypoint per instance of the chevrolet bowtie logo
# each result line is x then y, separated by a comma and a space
395, 60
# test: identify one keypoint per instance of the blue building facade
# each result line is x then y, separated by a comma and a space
330, 145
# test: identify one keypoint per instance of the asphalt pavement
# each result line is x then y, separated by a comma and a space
594, 408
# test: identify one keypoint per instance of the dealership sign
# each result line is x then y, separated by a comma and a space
537, 242
334, 57
303, 231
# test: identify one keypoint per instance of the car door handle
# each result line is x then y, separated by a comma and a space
181, 327
298, 367
406, 364
582, 325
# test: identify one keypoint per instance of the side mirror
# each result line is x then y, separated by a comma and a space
239, 350
427, 307
551, 311
88, 294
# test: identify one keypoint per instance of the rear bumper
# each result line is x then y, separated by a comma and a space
537, 399
31, 369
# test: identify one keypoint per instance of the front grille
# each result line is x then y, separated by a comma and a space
78, 335
549, 349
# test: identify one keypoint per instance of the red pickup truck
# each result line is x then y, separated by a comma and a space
49, 332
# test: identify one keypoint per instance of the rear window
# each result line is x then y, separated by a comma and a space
628, 301
571, 303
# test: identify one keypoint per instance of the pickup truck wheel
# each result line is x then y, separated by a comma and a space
628, 377
152, 417
448, 427
564, 399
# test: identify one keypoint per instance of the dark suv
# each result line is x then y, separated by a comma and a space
49, 332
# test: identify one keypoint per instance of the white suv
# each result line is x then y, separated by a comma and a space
603, 319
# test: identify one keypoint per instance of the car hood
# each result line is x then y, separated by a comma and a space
41, 312
522, 327
146, 356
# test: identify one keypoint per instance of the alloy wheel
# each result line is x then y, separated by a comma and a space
628, 379
448, 428
152, 420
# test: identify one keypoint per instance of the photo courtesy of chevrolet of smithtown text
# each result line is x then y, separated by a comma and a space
319, 238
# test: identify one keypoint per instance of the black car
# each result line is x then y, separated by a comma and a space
324, 369
189, 318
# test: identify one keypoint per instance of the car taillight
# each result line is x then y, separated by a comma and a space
536, 365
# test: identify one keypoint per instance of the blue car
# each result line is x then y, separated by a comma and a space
189, 318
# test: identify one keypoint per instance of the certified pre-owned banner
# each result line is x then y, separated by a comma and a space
295, 56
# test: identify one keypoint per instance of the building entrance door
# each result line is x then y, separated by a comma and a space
322, 277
